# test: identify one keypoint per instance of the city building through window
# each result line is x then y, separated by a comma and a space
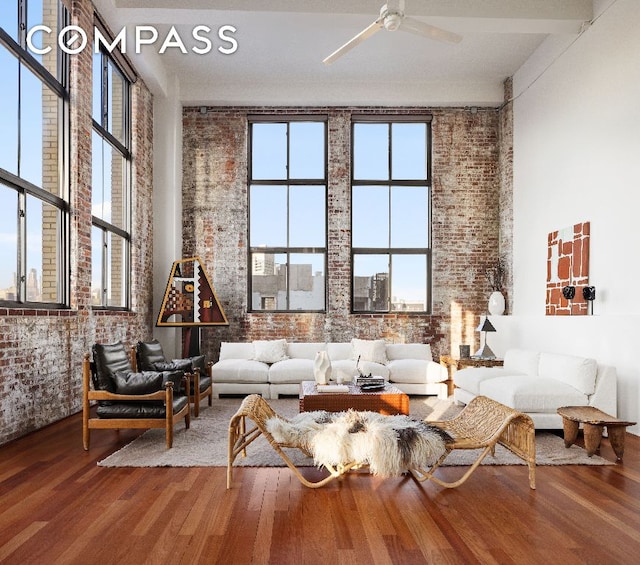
111, 182
287, 214
34, 193
390, 213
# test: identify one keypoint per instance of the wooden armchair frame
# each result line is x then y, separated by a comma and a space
166, 396
482, 424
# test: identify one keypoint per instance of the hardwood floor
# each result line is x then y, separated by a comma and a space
58, 506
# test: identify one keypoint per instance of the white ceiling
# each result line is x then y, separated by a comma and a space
281, 45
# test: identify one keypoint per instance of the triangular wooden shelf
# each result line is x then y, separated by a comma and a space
190, 299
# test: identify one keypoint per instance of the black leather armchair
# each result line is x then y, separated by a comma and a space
149, 356
129, 399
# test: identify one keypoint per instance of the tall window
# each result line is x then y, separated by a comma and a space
33, 159
287, 214
110, 191
391, 215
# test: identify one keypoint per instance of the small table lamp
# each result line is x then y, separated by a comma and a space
485, 352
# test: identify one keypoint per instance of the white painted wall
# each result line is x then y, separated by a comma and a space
167, 204
577, 158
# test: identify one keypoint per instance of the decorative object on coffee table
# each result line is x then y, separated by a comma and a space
322, 368
389, 400
593, 421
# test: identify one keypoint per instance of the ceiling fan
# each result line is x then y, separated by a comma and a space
392, 18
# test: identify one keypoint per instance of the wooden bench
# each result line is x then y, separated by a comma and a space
593, 421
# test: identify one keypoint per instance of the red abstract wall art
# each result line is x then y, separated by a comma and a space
568, 266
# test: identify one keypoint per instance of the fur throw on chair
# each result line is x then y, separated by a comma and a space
390, 445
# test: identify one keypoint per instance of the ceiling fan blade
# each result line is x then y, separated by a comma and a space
420, 28
364, 34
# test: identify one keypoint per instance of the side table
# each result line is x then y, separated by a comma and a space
450, 363
594, 421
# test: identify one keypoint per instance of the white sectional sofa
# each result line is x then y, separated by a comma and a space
274, 367
539, 383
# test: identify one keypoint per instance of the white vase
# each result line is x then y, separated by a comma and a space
322, 368
496, 303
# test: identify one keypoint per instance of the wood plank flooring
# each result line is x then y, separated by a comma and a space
58, 506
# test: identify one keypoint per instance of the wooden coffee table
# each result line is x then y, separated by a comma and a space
594, 421
390, 400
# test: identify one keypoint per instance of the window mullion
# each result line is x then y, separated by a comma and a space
21, 276
22, 23
288, 165
105, 267
104, 92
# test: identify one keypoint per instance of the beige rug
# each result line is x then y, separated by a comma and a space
205, 443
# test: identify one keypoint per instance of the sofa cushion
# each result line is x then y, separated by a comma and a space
146, 382
291, 371
471, 377
146, 409
374, 351
415, 371
108, 360
270, 351
240, 371
235, 350
197, 362
339, 351
579, 372
149, 353
409, 351
532, 394
346, 368
522, 361
304, 350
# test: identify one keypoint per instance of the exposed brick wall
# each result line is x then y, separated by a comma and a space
465, 220
41, 350
505, 152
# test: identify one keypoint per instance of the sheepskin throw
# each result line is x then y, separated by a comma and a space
390, 445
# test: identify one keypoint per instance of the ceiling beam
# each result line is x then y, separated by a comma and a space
462, 16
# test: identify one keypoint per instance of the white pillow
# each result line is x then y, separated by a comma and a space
374, 351
270, 351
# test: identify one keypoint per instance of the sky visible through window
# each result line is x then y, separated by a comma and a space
23, 159
395, 217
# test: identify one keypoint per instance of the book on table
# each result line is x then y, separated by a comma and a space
372, 381
332, 388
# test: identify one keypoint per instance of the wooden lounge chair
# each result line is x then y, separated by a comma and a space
256, 409
481, 425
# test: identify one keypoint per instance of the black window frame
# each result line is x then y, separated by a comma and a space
427, 183
288, 182
123, 148
60, 86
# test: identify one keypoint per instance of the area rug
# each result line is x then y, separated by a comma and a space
204, 444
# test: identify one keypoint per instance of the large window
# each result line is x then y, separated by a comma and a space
391, 215
287, 215
111, 178
33, 158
